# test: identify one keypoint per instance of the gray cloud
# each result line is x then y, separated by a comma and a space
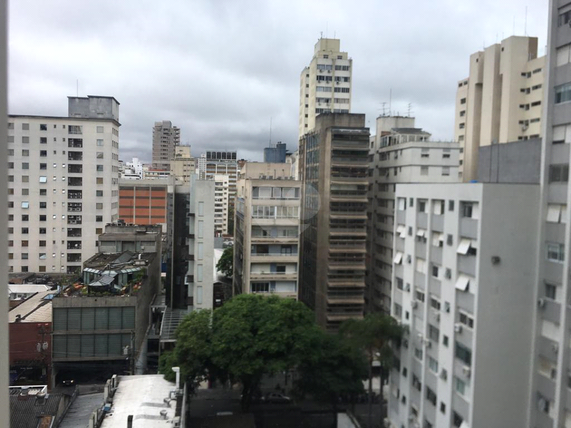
220, 69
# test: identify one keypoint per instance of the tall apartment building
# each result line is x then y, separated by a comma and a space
400, 153
200, 274
182, 165
325, 85
221, 163
221, 188
464, 286
63, 184
165, 138
501, 100
333, 169
266, 238
550, 396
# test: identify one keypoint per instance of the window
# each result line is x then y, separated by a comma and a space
423, 170
564, 18
435, 271
559, 173
25, 205
551, 291
43, 217
419, 295
100, 130
418, 353
432, 364
463, 354
460, 386
555, 252
99, 180
99, 193
563, 93
99, 155
469, 210
99, 206
463, 101
466, 319
431, 396
435, 303
43, 179
433, 333
43, 153
25, 165
98, 218
25, 153
446, 170
43, 192
556, 213
99, 143
99, 168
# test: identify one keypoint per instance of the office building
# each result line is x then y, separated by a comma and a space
266, 238
144, 202
400, 153
500, 101
200, 274
325, 84
165, 138
464, 280
333, 168
63, 184
276, 154
549, 395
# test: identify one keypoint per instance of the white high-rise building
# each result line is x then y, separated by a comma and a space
63, 177
325, 85
221, 204
500, 101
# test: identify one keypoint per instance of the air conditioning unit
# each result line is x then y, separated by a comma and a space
443, 374
458, 328
414, 304
467, 371
541, 303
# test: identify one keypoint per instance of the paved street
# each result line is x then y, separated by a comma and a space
78, 414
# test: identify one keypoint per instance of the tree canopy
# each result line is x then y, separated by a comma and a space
226, 262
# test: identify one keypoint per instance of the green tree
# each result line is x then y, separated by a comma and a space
226, 262
332, 369
255, 335
373, 335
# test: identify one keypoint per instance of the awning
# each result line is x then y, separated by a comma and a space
462, 282
401, 230
437, 238
421, 232
91, 270
464, 246
398, 258
553, 213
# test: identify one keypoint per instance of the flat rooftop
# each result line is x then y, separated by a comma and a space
118, 261
37, 308
141, 396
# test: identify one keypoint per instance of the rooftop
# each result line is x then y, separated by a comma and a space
115, 262
27, 288
410, 131
37, 308
143, 397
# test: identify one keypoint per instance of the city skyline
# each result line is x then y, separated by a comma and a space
210, 85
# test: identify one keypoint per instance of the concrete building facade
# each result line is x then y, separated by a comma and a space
165, 139
325, 84
182, 166
333, 168
144, 202
550, 394
221, 204
500, 101
200, 274
63, 184
400, 153
464, 288
266, 239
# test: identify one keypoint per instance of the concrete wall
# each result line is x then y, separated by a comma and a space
93, 107
515, 162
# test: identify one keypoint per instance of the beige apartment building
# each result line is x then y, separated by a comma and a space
266, 239
333, 169
182, 165
165, 139
325, 84
500, 101
63, 184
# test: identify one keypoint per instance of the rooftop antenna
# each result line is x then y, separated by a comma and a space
409, 109
384, 107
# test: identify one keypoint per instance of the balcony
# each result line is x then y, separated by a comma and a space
268, 257
74, 233
75, 142
74, 258
73, 219
74, 168
74, 245
360, 231
74, 206
346, 283
278, 276
74, 194
75, 156
74, 181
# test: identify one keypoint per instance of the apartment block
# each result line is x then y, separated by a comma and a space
144, 202
165, 139
325, 84
400, 153
200, 275
501, 100
63, 184
221, 204
464, 281
333, 164
550, 393
266, 238
182, 165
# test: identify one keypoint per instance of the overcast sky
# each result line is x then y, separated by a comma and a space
220, 69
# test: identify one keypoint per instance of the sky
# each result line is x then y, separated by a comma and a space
223, 70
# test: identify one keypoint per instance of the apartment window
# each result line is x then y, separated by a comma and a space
446, 170
43, 140
466, 319
25, 178
463, 353
423, 170
422, 205
463, 101
99, 168
43, 192
43, 179
397, 310
99, 180
563, 93
462, 126
25, 205
99, 155
25, 165
469, 210
551, 291
435, 271
99, 206
564, 18
25, 153
432, 364
424, 153
563, 55
460, 386
199, 273
99, 143
99, 193
418, 353
43, 153
419, 295
555, 252
24, 243
99, 218
100, 130
201, 208
559, 173
435, 303
431, 396
43, 217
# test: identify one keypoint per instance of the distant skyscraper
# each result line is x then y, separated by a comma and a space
333, 170
325, 85
275, 154
165, 138
500, 101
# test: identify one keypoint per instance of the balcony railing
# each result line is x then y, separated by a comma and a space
272, 254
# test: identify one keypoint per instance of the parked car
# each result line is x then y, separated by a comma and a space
276, 397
